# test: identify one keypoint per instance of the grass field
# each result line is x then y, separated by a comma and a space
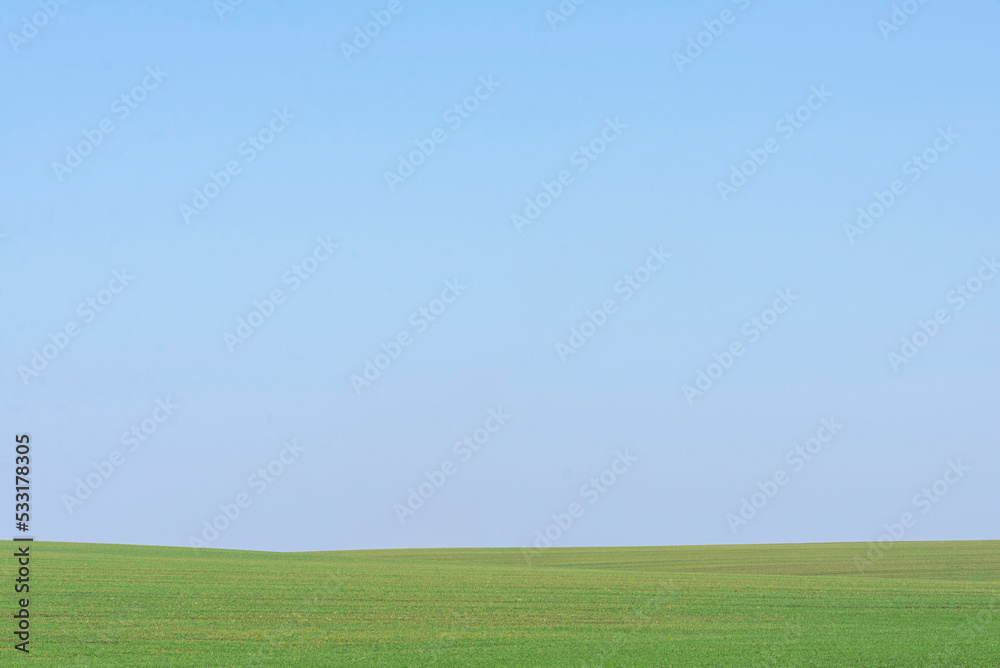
921, 604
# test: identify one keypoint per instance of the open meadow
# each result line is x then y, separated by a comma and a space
921, 604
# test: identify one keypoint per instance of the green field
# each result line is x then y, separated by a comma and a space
921, 604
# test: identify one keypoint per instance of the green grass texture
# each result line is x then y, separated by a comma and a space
932, 604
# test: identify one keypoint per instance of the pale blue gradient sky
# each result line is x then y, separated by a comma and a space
495, 346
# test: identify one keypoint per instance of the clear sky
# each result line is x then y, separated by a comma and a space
212, 155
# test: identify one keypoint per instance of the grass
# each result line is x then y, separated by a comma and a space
921, 604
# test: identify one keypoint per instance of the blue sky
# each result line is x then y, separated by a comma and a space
308, 136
